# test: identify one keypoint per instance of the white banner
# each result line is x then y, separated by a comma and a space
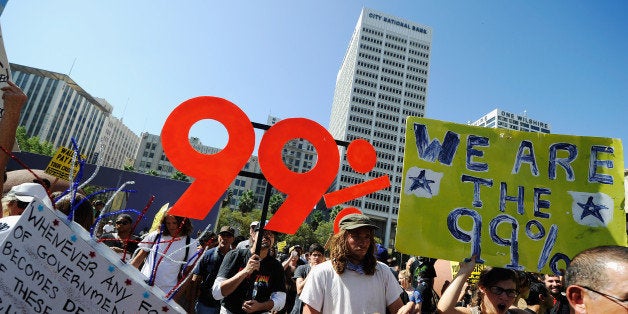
48, 265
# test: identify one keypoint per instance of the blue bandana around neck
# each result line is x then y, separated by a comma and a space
355, 267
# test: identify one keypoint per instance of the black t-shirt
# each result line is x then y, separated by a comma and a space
270, 278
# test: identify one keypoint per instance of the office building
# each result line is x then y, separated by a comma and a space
151, 157
382, 80
117, 144
501, 119
58, 109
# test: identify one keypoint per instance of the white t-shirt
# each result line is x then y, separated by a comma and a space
350, 292
173, 258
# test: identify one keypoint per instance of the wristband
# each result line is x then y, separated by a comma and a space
416, 297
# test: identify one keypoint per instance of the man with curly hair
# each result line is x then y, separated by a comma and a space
352, 281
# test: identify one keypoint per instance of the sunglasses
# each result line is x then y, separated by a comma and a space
511, 293
620, 302
123, 222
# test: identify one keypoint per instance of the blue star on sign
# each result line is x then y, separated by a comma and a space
421, 181
591, 209
146, 295
111, 268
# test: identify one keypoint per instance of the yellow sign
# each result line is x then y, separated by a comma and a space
525, 201
281, 245
61, 164
475, 274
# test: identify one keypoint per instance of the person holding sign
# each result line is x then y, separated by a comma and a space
251, 283
353, 281
497, 291
597, 280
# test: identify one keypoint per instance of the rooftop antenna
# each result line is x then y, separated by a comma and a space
72, 67
124, 110
525, 113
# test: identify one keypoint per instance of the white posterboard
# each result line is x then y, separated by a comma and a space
48, 265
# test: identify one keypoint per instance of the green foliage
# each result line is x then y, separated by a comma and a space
129, 168
20, 138
247, 201
316, 217
152, 173
178, 175
33, 144
89, 189
238, 220
304, 237
324, 230
334, 212
276, 200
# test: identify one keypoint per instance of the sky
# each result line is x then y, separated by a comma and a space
560, 62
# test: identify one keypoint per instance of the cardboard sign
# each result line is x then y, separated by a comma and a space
61, 164
475, 274
48, 265
513, 199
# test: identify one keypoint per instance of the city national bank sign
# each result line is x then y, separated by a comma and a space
415, 28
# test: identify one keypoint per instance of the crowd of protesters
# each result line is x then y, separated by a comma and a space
351, 274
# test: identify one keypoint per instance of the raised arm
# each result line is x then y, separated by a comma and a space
447, 302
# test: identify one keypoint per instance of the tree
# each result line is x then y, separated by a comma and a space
334, 212
129, 168
32, 144
304, 236
20, 138
276, 200
247, 201
238, 220
152, 172
178, 175
324, 231
316, 217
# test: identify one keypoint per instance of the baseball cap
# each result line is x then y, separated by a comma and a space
227, 229
257, 225
254, 224
26, 192
354, 221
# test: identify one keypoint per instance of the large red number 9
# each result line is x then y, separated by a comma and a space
304, 190
212, 173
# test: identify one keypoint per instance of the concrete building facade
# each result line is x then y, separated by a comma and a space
501, 119
382, 80
58, 109
117, 144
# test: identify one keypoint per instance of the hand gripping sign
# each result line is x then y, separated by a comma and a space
214, 173
50, 265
